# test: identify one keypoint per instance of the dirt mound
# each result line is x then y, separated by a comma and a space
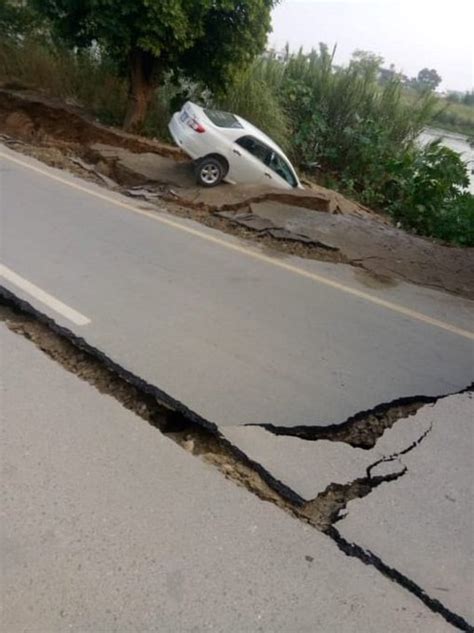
32, 117
20, 125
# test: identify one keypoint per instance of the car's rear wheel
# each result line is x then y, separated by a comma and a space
210, 171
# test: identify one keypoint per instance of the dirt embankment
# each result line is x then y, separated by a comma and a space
316, 222
33, 118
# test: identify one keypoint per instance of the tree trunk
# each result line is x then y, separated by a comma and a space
141, 86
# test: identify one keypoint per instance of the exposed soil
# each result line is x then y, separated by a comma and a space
315, 223
29, 116
361, 430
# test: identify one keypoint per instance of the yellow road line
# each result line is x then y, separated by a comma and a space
360, 294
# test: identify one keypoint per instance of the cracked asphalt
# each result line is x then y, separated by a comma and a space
109, 526
234, 335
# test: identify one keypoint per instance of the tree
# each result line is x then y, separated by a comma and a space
208, 40
16, 19
428, 79
468, 98
366, 63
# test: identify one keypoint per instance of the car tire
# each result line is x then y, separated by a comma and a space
210, 171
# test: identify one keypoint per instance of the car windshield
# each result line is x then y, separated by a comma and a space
223, 119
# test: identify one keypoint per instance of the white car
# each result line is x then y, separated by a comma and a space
226, 147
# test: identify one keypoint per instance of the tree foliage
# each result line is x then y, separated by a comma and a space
366, 64
466, 98
16, 19
427, 79
426, 191
206, 39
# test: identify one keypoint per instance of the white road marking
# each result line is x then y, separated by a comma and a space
355, 292
45, 298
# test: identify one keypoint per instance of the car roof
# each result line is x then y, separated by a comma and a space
247, 128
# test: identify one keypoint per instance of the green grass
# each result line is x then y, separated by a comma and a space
453, 117
81, 78
456, 117
254, 96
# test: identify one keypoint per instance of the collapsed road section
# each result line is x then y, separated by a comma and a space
316, 223
201, 439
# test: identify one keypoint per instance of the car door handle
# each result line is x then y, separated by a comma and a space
268, 175
236, 151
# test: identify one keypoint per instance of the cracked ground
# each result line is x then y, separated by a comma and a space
341, 409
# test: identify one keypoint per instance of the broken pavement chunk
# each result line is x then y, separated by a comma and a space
264, 226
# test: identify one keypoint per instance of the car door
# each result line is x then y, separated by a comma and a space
247, 164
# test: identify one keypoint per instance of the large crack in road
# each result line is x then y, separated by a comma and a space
202, 439
361, 430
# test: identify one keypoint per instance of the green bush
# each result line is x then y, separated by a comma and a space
254, 96
426, 193
344, 123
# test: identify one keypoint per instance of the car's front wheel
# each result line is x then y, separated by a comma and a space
210, 171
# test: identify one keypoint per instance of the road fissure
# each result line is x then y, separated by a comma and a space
202, 439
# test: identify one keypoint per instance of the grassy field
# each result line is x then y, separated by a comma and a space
456, 117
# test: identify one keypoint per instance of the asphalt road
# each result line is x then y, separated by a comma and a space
236, 334
108, 526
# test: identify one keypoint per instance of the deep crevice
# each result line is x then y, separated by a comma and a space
369, 558
158, 408
363, 429
326, 509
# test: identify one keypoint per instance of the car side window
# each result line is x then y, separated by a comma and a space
281, 167
267, 156
255, 147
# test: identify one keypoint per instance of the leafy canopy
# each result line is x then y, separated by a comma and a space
428, 79
206, 39
16, 20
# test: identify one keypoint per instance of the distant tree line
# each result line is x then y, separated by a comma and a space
466, 98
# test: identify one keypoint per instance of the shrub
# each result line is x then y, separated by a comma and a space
344, 122
426, 193
254, 96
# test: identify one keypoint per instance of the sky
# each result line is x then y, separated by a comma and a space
412, 34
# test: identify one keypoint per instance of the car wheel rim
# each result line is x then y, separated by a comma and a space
210, 174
